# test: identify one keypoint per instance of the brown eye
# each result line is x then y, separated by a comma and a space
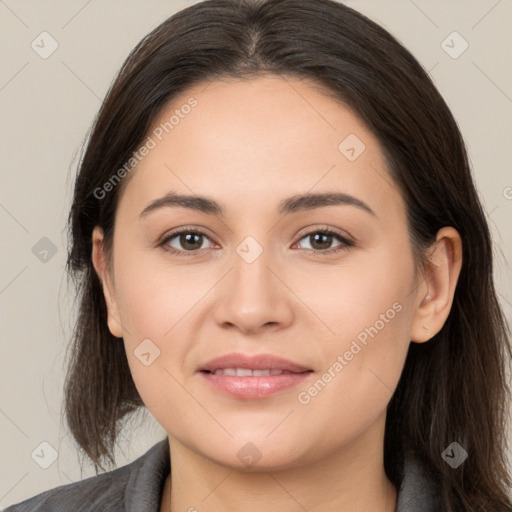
185, 241
321, 241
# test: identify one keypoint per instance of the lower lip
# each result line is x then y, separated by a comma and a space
250, 388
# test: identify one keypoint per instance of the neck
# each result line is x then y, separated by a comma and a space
351, 479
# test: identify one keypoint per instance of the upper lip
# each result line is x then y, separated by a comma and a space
255, 362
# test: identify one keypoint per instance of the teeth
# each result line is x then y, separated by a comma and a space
261, 372
248, 372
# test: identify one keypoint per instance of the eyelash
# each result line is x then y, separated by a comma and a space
345, 242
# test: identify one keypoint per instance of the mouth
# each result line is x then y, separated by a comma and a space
250, 372
249, 377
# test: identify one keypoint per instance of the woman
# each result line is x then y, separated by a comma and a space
282, 255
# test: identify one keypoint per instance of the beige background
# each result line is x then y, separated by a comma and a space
47, 106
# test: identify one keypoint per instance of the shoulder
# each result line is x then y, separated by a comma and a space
136, 486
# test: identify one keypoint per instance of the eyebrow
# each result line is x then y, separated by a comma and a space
296, 203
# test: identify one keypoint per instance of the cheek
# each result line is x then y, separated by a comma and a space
355, 386
153, 303
367, 310
364, 290
152, 296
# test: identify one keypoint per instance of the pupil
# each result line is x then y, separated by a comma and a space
185, 240
326, 243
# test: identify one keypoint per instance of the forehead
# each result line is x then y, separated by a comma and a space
263, 138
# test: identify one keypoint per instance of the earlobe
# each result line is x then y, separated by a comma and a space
99, 262
435, 295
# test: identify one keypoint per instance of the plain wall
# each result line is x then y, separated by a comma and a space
47, 106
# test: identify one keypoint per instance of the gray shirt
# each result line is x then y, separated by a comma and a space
138, 487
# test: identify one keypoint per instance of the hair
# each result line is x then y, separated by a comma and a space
452, 388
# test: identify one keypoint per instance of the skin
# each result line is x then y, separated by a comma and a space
249, 145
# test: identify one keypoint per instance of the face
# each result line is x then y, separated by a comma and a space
329, 286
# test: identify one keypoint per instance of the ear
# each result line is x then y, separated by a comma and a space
435, 294
99, 262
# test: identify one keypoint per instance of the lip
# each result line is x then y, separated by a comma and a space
256, 362
253, 387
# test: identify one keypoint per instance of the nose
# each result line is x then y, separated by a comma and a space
254, 296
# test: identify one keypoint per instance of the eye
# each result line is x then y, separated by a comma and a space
321, 240
190, 240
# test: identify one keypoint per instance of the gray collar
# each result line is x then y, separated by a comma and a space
418, 492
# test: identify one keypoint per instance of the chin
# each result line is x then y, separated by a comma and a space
254, 457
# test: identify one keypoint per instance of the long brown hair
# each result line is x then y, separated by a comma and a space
453, 388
